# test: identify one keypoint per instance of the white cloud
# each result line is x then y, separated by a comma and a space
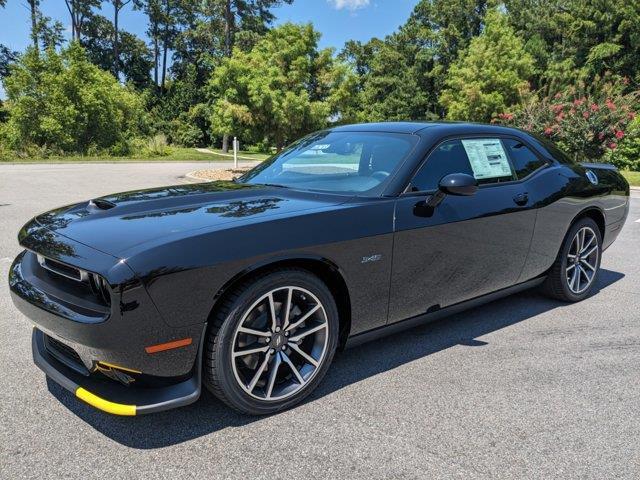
349, 4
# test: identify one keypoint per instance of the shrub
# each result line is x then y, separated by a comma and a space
586, 121
191, 128
62, 102
627, 155
157, 146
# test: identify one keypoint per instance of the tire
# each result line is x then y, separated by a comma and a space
561, 281
244, 321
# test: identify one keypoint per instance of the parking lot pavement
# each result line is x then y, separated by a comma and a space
522, 387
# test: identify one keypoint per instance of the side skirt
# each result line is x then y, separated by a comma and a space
429, 317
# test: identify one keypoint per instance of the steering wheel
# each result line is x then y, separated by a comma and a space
380, 175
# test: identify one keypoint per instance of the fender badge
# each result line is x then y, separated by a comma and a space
593, 178
372, 258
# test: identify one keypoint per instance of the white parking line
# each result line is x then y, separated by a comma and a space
638, 220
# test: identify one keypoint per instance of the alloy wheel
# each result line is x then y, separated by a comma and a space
280, 343
582, 260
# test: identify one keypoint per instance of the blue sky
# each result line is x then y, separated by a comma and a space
338, 20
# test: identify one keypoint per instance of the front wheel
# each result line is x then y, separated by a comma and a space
272, 341
575, 271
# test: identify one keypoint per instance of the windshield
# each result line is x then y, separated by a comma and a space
338, 162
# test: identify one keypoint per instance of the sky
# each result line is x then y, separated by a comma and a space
337, 20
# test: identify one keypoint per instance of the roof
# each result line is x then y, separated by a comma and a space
415, 127
390, 127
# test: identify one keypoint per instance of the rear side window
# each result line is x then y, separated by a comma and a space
484, 158
525, 162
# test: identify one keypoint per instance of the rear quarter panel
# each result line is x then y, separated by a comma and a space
562, 193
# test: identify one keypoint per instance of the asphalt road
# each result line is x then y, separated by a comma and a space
523, 387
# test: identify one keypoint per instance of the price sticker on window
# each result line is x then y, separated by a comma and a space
487, 158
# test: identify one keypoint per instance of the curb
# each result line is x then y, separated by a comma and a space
191, 178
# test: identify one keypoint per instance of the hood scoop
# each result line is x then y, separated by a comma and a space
100, 204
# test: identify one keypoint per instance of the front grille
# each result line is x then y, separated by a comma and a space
65, 354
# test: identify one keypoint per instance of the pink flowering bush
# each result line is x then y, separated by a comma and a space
586, 121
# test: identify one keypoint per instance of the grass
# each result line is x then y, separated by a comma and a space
632, 177
176, 154
243, 153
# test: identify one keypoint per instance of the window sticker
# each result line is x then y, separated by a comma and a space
488, 158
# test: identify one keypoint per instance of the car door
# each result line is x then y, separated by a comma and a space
466, 246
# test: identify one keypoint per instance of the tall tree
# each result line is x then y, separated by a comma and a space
239, 16
7, 57
80, 11
153, 10
490, 75
34, 14
579, 39
44, 31
401, 77
135, 58
117, 6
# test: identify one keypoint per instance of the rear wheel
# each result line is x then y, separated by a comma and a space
271, 342
575, 271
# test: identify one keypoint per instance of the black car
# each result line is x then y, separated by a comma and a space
249, 287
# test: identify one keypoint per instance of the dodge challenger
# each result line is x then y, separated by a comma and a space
249, 287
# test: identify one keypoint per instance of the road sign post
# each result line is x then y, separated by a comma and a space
235, 153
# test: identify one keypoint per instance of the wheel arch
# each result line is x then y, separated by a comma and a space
594, 213
322, 267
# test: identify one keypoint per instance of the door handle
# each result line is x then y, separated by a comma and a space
521, 198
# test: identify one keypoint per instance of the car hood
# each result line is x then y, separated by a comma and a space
116, 223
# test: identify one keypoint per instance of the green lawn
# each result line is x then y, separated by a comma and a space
632, 177
243, 153
176, 154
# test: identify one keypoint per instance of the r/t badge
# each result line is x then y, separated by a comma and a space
372, 258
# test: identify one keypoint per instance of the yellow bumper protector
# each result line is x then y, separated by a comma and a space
105, 405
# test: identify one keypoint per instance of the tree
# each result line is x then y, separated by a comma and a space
276, 92
117, 6
401, 77
135, 57
247, 16
154, 13
490, 75
7, 57
162, 30
574, 40
63, 103
34, 16
80, 11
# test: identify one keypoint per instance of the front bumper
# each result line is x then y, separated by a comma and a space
110, 362
112, 397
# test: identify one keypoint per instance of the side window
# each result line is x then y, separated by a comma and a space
525, 162
484, 158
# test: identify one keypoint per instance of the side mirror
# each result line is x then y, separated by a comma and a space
459, 184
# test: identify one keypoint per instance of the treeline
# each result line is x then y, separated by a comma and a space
567, 69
